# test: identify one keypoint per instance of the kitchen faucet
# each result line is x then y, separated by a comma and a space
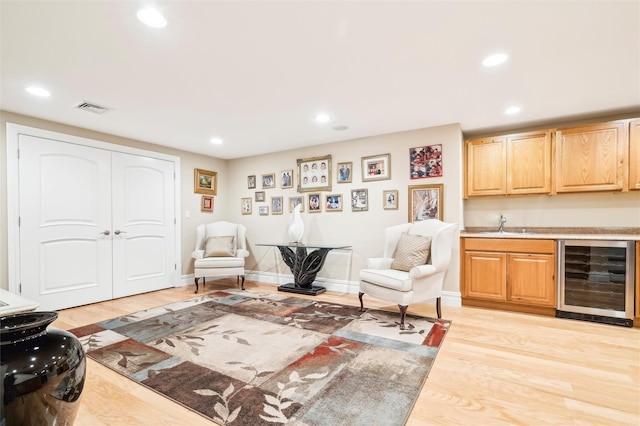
502, 222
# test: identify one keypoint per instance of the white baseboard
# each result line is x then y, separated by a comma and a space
449, 298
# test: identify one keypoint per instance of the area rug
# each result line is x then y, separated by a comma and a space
254, 358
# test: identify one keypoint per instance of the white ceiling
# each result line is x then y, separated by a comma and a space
256, 73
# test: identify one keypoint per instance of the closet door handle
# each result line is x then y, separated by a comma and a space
106, 232
118, 232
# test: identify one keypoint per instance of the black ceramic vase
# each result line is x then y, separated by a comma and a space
43, 371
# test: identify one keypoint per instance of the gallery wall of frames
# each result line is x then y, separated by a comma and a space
311, 184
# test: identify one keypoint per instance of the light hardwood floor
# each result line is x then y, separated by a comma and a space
494, 368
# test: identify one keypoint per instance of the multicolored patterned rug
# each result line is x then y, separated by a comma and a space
251, 358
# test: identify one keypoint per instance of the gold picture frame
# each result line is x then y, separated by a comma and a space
205, 182
246, 206
333, 203
294, 201
390, 199
376, 167
426, 202
207, 203
286, 179
344, 172
314, 204
276, 205
314, 174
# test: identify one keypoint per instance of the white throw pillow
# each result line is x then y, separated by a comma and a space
219, 247
412, 250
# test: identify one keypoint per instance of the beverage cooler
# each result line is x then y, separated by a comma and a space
596, 281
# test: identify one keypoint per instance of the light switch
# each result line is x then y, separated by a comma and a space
187, 214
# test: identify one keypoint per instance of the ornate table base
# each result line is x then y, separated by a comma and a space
304, 265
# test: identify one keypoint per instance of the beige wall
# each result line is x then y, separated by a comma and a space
362, 230
591, 210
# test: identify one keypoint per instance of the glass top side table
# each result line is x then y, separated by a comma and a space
304, 264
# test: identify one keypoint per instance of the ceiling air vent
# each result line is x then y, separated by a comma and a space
96, 109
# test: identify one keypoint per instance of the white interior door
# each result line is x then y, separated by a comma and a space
143, 224
65, 223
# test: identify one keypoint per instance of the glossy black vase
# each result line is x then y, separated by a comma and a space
43, 371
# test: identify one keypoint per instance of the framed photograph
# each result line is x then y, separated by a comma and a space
314, 203
425, 202
205, 182
314, 174
259, 196
359, 200
269, 181
376, 167
276, 205
251, 182
390, 199
207, 203
333, 203
286, 178
245, 205
425, 161
294, 201
344, 172
263, 210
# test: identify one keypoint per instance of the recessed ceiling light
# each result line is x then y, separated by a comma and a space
493, 60
512, 110
216, 141
152, 18
323, 118
38, 91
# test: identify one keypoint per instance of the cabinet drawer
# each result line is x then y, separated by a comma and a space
510, 245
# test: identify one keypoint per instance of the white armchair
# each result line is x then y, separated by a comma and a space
406, 274
220, 251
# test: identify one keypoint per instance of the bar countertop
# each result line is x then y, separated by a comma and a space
613, 234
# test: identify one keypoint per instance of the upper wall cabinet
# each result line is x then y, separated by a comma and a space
634, 155
592, 157
510, 164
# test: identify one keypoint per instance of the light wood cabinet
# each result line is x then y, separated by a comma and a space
516, 274
485, 275
529, 163
592, 157
634, 154
509, 165
531, 279
486, 162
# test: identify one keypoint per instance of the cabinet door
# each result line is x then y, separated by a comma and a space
529, 163
592, 158
485, 275
634, 155
486, 167
531, 279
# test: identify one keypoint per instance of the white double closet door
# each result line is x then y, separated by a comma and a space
94, 224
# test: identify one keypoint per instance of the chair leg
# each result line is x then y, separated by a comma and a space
403, 313
438, 308
242, 285
361, 305
196, 292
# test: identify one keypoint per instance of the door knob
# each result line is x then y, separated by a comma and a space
106, 232
118, 232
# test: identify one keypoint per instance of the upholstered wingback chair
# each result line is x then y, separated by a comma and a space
415, 259
220, 251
